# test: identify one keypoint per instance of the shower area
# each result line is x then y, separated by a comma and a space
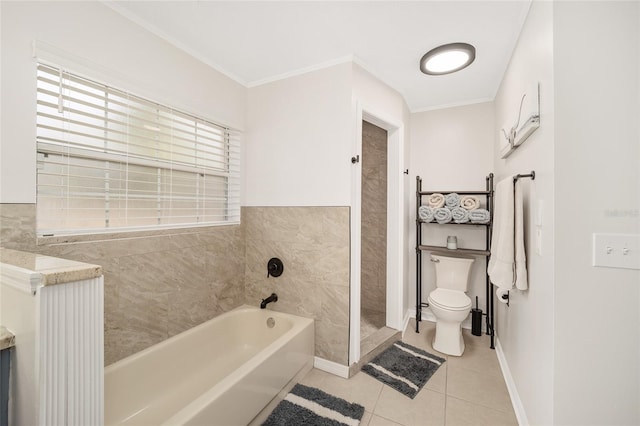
373, 264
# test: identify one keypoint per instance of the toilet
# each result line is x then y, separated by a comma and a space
449, 302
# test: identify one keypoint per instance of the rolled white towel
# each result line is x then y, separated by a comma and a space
460, 215
435, 201
479, 216
452, 200
442, 215
425, 213
470, 202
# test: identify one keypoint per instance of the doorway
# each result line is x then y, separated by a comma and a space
373, 238
395, 227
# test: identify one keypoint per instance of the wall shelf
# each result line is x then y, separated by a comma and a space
456, 224
473, 252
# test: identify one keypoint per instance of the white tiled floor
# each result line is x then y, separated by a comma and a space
467, 390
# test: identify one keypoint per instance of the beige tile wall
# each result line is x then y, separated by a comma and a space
159, 285
155, 285
313, 243
374, 218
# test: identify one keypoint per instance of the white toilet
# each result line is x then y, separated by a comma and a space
448, 301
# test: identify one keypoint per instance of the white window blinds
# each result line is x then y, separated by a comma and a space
112, 161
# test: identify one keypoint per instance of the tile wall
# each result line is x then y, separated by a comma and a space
161, 283
374, 218
313, 244
156, 285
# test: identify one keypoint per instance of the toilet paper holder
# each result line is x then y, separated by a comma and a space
505, 296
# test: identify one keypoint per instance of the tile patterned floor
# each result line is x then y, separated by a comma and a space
467, 390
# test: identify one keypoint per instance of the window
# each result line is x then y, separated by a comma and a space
111, 161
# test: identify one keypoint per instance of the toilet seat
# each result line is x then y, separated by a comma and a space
451, 300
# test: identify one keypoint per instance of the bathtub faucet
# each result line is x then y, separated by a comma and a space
272, 298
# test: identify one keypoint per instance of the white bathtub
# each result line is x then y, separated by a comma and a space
222, 372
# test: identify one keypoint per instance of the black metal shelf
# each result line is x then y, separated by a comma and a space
489, 194
457, 192
474, 252
453, 223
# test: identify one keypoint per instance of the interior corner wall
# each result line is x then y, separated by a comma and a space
92, 36
597, 152
525, 328
451, 149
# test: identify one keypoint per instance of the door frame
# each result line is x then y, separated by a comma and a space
395, 224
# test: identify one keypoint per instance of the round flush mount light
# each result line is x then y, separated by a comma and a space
447, 58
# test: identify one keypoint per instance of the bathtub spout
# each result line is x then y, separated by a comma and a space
272, 298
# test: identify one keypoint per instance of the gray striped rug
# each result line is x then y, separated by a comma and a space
404, 367
305, 405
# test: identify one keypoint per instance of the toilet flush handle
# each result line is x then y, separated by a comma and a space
435, 260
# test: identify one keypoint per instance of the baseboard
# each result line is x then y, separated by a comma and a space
521, 415
331, 367
405, 322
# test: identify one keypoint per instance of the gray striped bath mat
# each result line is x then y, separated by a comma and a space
310, 406
404, 367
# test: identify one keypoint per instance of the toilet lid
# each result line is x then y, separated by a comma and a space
450, 299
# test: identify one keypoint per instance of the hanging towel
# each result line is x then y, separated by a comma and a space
479, 216
452, 200
470, 202
425, 213
460, 215
442, 215
435, 201
508, 264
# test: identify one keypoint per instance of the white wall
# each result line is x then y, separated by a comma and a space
525, 329
572, 351
92, 39
597, 147
451, 150
298, 143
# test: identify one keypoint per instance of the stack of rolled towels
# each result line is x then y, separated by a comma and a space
453, 208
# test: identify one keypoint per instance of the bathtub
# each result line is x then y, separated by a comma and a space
221, 372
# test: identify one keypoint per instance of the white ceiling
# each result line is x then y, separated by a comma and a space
254, 42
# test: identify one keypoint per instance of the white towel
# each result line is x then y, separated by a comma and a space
508, 264
470, 202
435, 201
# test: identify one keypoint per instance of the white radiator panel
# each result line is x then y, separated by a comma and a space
71, 353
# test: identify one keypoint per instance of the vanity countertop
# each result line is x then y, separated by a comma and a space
45, 269
7, 339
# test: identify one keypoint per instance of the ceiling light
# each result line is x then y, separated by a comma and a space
447, 58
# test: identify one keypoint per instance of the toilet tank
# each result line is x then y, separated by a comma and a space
452, 270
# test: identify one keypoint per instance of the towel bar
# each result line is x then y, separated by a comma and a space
531, 175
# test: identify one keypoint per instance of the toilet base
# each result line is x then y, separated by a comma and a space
448, 339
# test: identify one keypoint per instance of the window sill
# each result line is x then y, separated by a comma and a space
128, 234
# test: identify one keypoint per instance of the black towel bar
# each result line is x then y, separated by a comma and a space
531, 175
